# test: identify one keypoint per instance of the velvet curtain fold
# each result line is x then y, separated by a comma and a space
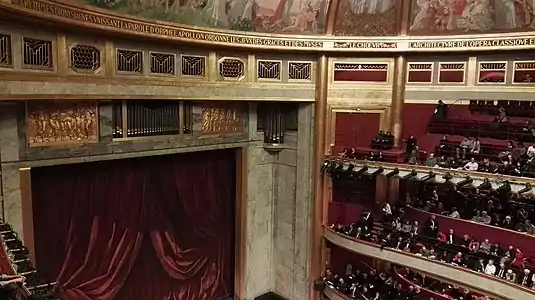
158, 228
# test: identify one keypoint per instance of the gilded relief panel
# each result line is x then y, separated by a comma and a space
273, 16
471, 16
61, 123
222, 118
368, 17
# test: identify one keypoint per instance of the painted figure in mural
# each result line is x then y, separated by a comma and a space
359, 7
471, 15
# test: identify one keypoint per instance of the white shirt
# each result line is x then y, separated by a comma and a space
455, 215
531, 151
387, 209
471, 166
490, 269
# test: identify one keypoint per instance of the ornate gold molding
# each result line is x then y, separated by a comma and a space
114, 23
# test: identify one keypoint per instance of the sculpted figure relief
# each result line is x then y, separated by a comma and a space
56, 123
458, 16
221, 120
274, 16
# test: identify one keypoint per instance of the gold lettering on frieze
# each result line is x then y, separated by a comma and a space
511, 42
123, 24
216, 120
365, 45
60, 123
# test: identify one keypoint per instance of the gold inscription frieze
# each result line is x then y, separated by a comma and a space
60, 123
365, 45
218, 120
467, 44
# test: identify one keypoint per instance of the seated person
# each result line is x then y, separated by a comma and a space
431, 161
344, 152
411, 143
9, 287
472, 165
444, 146
466, 145
476, 148
485, 166
500, 118
371, 156
380, 156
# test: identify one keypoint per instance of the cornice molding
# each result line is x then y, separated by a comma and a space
90, 18
445, 272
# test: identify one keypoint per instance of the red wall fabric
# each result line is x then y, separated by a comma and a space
478, 231
355, 129
416, 117
342, 213
159, 228
340, 257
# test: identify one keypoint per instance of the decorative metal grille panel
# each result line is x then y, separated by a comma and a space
162, 63
129, 61
299, 71
5, 50
493, 66
193, 66
269, 70
420, 66
452, 66
85, 57
420, 72
231, 68
37, 53
525, 65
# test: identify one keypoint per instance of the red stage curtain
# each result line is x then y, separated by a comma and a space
153, 228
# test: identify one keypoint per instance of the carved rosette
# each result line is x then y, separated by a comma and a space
61, 123
222, 118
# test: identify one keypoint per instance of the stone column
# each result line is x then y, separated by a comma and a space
398, 98
320, 113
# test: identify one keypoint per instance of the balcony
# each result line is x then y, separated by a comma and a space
333, 294
393, 170
446, 272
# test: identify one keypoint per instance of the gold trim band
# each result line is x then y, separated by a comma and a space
104, 21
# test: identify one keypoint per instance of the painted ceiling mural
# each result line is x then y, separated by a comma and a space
270, 16
471, 16
368, 17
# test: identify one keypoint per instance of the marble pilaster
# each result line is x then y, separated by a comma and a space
10, 117
259, 224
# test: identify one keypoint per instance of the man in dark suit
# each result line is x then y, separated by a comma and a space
525, 279
431, 227
366, 219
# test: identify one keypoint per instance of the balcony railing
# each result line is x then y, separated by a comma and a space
418, 172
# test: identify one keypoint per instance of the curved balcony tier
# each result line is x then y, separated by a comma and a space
418, 172
76, 15
445, 272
